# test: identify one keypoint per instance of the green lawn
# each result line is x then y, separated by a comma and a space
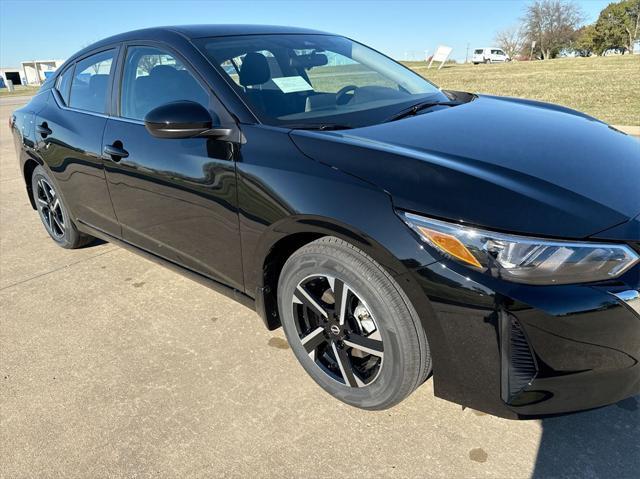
19, 91
607, 88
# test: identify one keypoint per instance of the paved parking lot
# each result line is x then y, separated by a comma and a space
111, 366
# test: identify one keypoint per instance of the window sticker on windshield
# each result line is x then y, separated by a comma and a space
292, 84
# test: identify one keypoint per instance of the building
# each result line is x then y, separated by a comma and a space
37, 71
15, 75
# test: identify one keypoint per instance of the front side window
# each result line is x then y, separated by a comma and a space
152, 78
90, 82
307, 79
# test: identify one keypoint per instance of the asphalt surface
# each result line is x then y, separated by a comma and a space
112, 366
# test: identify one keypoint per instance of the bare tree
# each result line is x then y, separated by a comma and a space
512, 40
147, 62
552, 24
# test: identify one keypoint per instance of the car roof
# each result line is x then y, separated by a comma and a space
166, 33
199, 31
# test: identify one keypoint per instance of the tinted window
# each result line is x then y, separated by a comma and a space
152, 78
328, 78
312, 79
63, 83
232, 67
91, 81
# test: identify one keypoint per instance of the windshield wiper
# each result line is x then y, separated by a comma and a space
414, 109
318, 126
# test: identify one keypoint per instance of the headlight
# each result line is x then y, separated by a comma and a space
521, 259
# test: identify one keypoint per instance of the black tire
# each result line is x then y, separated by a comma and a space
54, 213
407, 361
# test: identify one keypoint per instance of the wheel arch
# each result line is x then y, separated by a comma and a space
292, 233
30, 164
285, 237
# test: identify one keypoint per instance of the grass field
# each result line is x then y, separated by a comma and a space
607, 88
19, 91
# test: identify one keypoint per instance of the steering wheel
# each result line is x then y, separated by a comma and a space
341, 95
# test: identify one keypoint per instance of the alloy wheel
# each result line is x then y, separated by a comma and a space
338, 331
50, 208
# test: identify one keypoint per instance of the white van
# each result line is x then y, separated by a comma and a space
489, 55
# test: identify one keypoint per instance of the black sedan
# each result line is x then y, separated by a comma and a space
395, 230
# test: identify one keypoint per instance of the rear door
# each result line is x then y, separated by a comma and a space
175, 198
69, 138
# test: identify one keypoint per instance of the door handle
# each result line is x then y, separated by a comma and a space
115, 152
44, 130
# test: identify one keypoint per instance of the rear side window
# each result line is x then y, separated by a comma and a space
63, 83
91, 81
152, 78
478, 52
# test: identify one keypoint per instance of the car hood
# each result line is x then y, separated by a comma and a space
507, 164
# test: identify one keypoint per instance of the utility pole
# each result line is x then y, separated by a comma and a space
466, 57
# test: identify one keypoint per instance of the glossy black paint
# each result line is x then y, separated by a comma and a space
73, 154
573, 175
227, 212
180, 119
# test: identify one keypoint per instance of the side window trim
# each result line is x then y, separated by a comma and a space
119, 79
110, 87
64, 96
107, 103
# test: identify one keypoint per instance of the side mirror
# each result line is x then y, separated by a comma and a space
182, 119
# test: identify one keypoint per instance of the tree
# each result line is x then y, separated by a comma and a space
511, 40
147, 62
552, 24
587, 41
618, 25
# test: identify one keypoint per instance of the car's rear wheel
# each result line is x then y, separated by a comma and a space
53, 212
351, 326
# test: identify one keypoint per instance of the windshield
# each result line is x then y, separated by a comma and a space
297, 80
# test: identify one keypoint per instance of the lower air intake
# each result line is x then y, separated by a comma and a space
519, 366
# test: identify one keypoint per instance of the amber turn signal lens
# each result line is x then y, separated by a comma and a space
451, 245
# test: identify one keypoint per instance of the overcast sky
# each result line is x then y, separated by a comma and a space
37, 30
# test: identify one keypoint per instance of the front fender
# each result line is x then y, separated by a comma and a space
287, 200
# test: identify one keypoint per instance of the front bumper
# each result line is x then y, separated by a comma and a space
518, 351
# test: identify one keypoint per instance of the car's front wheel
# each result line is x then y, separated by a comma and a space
53, 212
351, 326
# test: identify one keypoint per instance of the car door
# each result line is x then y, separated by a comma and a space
69, 132
175, 198
497, 56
